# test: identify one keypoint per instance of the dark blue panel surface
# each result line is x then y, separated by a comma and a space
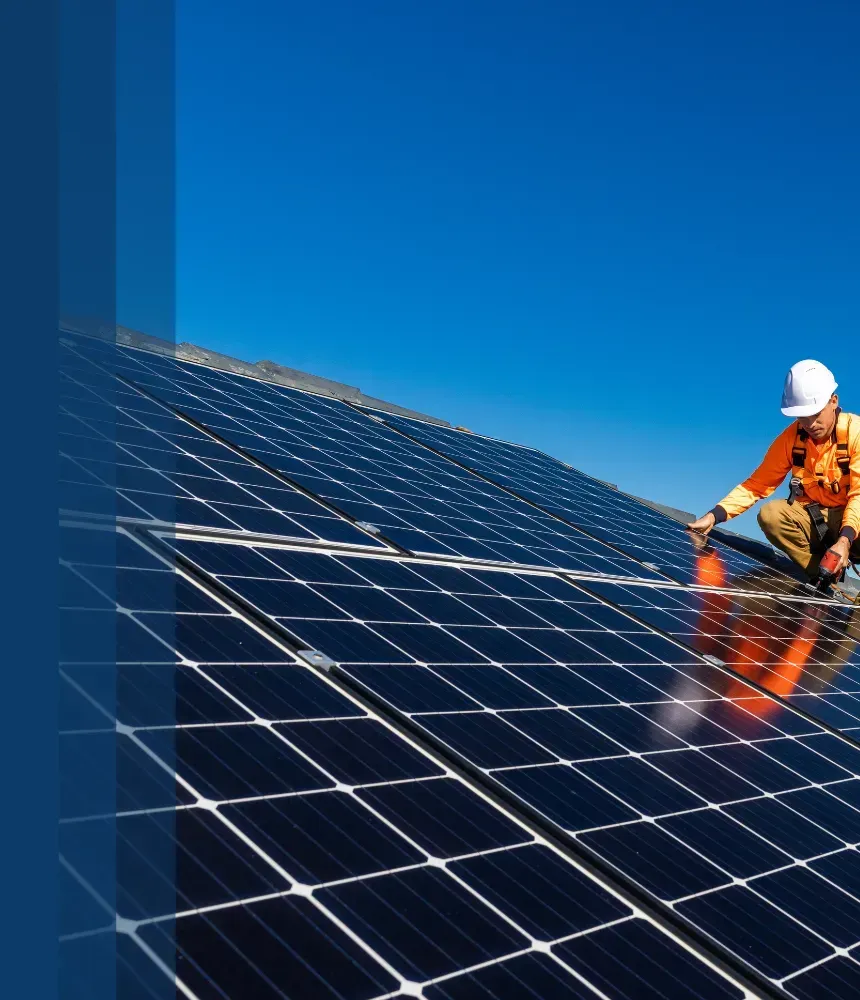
395, 913
547, 897
529, 977
838, 977
634, 963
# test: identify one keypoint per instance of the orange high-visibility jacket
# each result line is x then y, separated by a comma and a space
820, 465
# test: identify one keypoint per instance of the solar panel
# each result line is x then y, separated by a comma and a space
419, 501
276, 836
591, 505
123, 452
729, 808
804, 652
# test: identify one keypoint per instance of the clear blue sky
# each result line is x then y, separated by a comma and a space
602, 229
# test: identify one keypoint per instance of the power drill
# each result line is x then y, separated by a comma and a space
828, 571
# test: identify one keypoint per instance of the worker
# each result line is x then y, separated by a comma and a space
821, 448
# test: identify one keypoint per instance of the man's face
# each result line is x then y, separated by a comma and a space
820, 425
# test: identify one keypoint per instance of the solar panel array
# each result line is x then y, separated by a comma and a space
591, 505
420, 502
381, 728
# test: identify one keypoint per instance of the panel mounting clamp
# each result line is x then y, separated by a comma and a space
316, 659
368, 527
715, 660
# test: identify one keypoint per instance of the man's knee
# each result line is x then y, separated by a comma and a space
780, 525
785, 528
772, 516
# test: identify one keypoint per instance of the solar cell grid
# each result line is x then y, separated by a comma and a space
805, 653
122, 451
707, 795
603, 512
420, 501
278, 838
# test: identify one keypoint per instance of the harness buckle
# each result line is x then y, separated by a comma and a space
795, 489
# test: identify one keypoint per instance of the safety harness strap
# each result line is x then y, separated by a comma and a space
798, 460
843, 461
798, 453
819, 522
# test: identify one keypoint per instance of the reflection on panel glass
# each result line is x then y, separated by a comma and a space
804, 652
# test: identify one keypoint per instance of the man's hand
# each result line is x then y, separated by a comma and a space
704, 524
842, 548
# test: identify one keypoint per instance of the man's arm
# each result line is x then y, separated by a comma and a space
766, 478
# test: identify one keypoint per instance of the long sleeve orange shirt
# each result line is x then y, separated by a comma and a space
820, 465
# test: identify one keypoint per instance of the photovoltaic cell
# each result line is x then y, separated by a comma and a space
711, 798
278, 838
420, 501
587, 503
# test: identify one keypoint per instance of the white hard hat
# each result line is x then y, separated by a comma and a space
808, 386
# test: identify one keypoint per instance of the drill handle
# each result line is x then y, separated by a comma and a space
829, 563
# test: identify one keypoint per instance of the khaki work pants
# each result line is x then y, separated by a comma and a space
789, 528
